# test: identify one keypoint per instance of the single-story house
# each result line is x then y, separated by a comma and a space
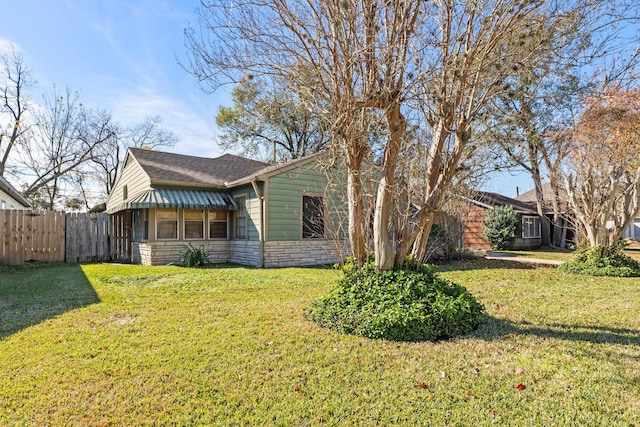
527, 233
10, 198
566, 217
238, 210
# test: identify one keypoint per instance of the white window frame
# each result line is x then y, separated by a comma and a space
185, 220
177, 227
238, 217
324, 216
211, 219
537, 234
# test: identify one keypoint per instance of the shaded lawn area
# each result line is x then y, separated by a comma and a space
229, 346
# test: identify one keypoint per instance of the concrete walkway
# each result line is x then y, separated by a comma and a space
523, 260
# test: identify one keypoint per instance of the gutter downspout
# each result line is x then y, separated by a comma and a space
256, 189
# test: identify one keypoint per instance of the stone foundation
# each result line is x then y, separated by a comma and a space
244, 252
301, 253
171, 252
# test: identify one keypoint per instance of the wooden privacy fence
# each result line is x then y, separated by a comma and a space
88, 237
52, 236
30, 236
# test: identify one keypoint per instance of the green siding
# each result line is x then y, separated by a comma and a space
285, 197
253, 211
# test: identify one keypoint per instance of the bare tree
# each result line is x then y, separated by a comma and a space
107, 157
405, 61
603, 180
64, 136
15, 80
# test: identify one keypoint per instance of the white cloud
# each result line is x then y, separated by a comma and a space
6, 46
196, 133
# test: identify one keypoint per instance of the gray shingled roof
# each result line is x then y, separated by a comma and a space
494, 199
179, 168
547, 194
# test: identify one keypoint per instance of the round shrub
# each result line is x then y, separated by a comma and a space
602, 261
405, 304
500, 227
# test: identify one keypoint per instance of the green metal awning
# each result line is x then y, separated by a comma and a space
177, 199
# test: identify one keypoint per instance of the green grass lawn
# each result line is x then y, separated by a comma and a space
557, 254
98, 345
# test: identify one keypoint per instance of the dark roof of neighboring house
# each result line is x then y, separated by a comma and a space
547, 194
491, 200
179, 168
10, 190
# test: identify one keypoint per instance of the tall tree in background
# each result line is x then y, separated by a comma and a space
58, 149
15, 81
106, 159
603, 179
64, 137
529, 121
269, 121
409, 61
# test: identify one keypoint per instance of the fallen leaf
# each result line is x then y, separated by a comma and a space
534, 378
297, 389
469, 393
422, 385
521, 386
58, 341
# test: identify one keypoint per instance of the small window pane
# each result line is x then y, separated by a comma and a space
530, 227
167, 223
167, 229
218, 230
241, 218
312, 217
193, 224
166, 214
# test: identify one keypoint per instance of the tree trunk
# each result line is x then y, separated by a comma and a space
545, 229
385, 250
356, 214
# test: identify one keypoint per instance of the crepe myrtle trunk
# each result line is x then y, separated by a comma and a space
356, 213
384, 246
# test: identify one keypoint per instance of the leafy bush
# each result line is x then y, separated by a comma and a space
602, 261
405, 304
194, 257
500, 227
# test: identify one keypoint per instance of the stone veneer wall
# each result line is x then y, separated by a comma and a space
302, 252
244, 252
277, 254
170, 252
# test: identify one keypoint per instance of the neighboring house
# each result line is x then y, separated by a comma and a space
528, 230
238, 210
568, 229
633, 232
10, 198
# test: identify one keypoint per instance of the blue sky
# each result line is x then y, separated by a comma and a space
122, 55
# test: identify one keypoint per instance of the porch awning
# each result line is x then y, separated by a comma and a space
177, 199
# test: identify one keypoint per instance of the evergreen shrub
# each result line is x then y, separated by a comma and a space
602, 261
500, 227
409, 303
